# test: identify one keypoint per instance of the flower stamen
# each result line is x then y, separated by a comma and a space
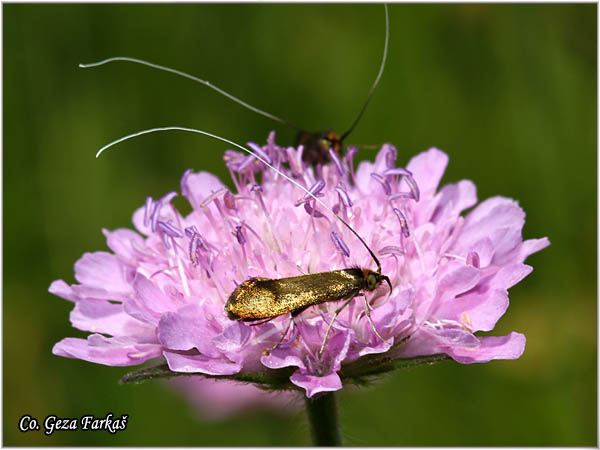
340, 244
384, 183
338, 163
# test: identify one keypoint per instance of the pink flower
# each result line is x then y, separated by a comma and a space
162, 290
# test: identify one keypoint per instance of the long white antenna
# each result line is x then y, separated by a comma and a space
381, 67
257, 156
193, 78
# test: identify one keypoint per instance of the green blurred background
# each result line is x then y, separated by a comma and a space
508, 91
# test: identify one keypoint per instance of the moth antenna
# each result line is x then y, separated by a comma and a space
381, 67
193, 78
257, 156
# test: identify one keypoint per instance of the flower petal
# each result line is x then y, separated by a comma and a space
186, 329
105, 272
149, 302
201, 364
427, 169
62, 289
315, 384
510, 346
198, 186
101, 316
124, 242
107, 351
454, 337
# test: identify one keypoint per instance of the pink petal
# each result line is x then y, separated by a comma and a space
233, 338
201, 364
104, 271
100, 316
314, 384
510, 346
458, 281
186, 329
482, 309
510, 275
532, 246
499, 219
148, 302
107, 351
427, 168
123, 242
454, 337
419, 343
496, 207
279, 358
454, 198
62, 289
198, 186
138, 221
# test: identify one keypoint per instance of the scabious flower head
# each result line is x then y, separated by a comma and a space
161, 291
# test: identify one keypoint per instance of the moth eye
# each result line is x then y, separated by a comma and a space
371, 281
324, 143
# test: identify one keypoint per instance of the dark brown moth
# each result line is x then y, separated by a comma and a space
316, 144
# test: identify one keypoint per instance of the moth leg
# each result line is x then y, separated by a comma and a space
255, 324
267, 351
337, 312
292, 316
367, 309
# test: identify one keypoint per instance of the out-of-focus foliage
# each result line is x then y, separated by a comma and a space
509, 92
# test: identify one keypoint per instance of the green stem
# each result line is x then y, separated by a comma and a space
323, 418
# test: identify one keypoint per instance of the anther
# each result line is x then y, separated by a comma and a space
229, 200
313, 212
340, 244
390, 155
473, 259
260, 152
165, 238
315, 189
384, 183
191, 231
391, 250
408, 177
403, 222
344, 197
239, 235
338, 163
212, 197
247, 162
349, 157
397, 171
184, 190
401, 195
194, 250
168, 228
413, 187
154, 216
